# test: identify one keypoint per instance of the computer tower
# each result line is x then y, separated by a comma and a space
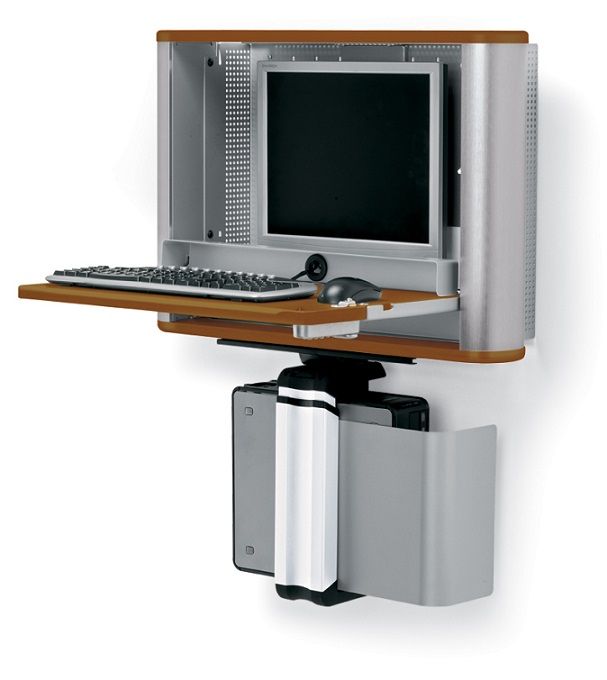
253, 422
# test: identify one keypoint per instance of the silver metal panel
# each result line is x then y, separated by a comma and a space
175, 254
377, 313
306, 488
416, 513
494, 79
163, 188
188, 92
254, 423
340, 329
373, 53
297, 51
214, 145
443, 326
237, 145
451, 242
420, 308
164, 144
438, 276
531, 192
435, 208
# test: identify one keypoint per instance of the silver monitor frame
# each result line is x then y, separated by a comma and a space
432, 249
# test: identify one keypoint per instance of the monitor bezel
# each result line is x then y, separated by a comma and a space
432, 249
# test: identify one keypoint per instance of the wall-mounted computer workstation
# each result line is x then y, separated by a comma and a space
395, 171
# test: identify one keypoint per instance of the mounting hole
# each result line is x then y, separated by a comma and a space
210, 62
210, 233
316, 267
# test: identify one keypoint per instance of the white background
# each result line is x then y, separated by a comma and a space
115, 479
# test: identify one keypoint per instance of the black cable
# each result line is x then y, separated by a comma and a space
298, 276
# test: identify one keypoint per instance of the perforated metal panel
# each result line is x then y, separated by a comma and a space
238, 146
301, 52
451, 54
531, 192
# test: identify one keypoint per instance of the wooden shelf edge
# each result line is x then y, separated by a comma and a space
378, 345
311, 36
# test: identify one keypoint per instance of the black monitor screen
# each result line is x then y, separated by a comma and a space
348, 155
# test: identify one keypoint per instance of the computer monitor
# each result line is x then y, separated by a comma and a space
351, 157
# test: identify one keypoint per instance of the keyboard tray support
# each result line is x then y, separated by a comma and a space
377, 312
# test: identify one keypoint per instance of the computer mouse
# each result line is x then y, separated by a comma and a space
348, 288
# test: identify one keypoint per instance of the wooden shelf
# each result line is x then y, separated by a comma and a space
306, 311
365, 344
350, 37
272, 322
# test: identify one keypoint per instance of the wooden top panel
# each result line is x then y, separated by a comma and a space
288, 312
398, 37
365, 343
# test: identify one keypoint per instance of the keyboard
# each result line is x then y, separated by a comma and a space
194, 281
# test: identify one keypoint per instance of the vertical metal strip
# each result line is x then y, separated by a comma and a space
494, 79
163, 216
531, 192
306, 493
164, 144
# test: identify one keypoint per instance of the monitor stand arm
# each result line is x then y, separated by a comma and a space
307, 449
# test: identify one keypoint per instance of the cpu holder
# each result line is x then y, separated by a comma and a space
333, 508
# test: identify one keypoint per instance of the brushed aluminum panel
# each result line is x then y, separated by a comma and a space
494, 97
163, 215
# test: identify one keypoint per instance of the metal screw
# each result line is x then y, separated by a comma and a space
210, 62
210, 233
